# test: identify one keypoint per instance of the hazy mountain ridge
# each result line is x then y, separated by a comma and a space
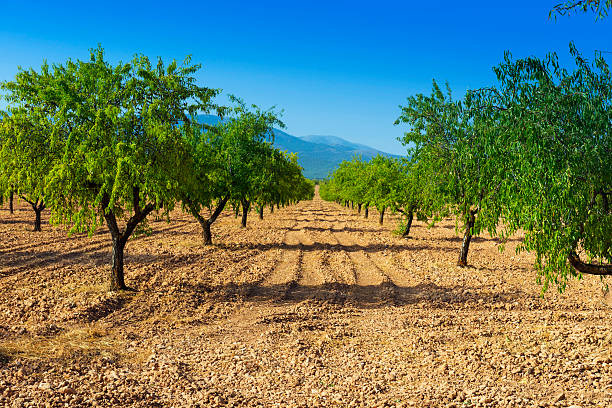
318, 155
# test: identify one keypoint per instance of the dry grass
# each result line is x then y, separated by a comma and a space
89, 340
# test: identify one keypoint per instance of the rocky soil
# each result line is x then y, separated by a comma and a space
312, 306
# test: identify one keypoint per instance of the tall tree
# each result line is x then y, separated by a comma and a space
123, 156
559, 125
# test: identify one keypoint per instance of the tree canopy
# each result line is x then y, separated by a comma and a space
533, 152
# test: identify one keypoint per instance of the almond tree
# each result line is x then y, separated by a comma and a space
457, 147
558, 124
26, 158
26, 152
122, 154
229, 162
382, 177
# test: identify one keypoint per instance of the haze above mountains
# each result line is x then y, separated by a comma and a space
318, 155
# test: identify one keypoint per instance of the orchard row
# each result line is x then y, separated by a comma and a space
533, 152
98, 143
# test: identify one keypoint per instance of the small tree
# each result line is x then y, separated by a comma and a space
26, 158
229, 161
123, 156
457, 147
26, 151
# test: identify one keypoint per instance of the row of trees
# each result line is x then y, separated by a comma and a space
98, 143
383, 182
532, 152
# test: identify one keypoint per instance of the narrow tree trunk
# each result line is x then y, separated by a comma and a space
366, 211
207, 223
352, 205
245, 213
359, 208
382, 216
261, 210
467, 238
11, 208
38, 206
204, 223
206, 234
408, 225
37, 222
117, 280
272, 209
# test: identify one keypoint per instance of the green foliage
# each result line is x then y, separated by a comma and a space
533, 152
235, 160
123, 151
383, 182
102, 142
26, 151
599, 7
557, 125
456, 146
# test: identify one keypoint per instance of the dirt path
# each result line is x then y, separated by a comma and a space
312, 306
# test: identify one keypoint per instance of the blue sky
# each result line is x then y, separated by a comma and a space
335, 67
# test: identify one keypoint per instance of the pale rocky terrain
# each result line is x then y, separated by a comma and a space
312, 306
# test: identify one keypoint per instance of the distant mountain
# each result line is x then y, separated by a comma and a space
335, 141
318, 155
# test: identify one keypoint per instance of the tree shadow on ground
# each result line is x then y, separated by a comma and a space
366, 297
331, 229
497, 240
25, 260
16, 221
319, 246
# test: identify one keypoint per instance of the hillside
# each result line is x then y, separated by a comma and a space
318, 155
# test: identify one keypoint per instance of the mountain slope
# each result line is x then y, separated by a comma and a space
318, 155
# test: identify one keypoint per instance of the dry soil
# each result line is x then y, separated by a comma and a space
312, 306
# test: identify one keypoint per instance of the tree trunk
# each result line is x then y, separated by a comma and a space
261, 209
206, 234
359, 208
408, 225
11, 208
206, 223
366, 211
245, 212
272, 209
117, 280
382, 216
467, 238
588, 268
37, 222
352, 205
38, 206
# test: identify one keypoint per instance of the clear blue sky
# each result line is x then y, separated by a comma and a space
336, 67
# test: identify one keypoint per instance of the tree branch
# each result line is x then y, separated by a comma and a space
588, 268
